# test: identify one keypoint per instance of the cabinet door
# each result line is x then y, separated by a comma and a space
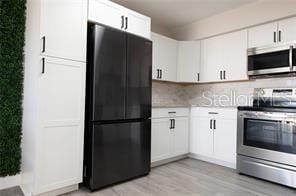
155, 56
225, 140
63, 29
188, 62
105, 12
160, 139
60, 139
201, 136
180, 136
167, 58
138, 24
287, 30
235, 56
262, 35
211, 59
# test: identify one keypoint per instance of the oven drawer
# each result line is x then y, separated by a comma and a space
270, 171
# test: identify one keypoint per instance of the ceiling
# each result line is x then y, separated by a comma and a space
175, 13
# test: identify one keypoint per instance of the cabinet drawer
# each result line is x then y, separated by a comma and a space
224, 113
169, 112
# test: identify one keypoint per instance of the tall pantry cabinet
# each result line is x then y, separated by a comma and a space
54, 93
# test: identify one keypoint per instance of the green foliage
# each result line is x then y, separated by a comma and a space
12, 30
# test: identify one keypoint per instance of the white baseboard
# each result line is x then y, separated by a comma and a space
60, 191
162, 162
212, 160
10, 181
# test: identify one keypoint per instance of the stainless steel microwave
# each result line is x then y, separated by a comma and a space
272, 60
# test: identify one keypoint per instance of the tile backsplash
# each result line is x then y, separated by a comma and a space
168, 94
225, 94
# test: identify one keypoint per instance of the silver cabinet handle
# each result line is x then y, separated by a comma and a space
274, 37
224, 75
280, 35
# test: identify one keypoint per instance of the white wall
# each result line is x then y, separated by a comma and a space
259, 12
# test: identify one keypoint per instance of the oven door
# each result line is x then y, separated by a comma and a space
271, 60
267, 136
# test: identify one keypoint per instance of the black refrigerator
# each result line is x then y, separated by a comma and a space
118, 107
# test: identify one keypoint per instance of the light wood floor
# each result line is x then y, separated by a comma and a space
193, 177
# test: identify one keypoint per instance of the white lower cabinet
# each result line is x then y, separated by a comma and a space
170, 133
160, 139
179, 136
54, 126
60, 143
213, 135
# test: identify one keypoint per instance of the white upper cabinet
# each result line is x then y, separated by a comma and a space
287, 30
211, 55
164, 58
63, 29
277, 32
106, 12
138, 24
188, 61
155, 54
111, 14
263, 35
234, 63
224, 58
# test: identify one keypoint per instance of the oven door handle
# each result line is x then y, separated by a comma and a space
267, 116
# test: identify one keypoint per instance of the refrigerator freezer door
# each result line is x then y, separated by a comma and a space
119, 152
139, 77
107, 59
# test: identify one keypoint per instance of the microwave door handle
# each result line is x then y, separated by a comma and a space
291, 58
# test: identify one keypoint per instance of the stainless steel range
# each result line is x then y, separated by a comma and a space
266, 145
